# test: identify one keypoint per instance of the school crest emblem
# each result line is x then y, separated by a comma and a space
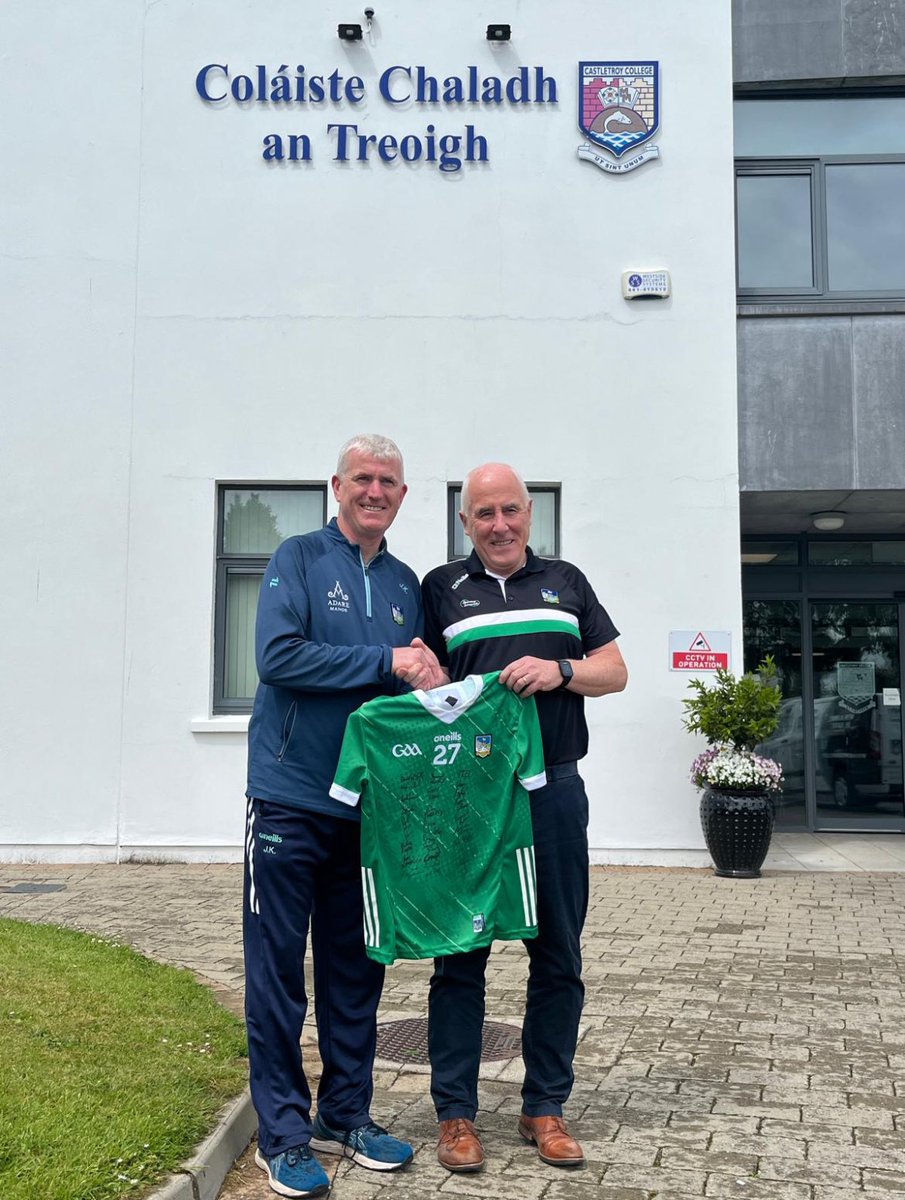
618, 111
483, 744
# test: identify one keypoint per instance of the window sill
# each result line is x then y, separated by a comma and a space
232, 723
816, 308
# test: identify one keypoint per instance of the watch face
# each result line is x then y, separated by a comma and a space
565, 669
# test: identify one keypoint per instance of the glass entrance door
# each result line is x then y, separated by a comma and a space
857, 714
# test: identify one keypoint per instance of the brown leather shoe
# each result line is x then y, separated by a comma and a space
459, 1148
555, 1144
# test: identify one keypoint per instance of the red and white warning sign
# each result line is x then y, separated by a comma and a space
698, 650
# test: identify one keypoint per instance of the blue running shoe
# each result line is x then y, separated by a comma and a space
368, 1145
295, 1172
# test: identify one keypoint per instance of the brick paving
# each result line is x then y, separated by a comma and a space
741, 1038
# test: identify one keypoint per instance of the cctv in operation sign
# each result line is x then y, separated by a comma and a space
699, 650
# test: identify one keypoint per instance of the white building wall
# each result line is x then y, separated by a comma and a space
205, 316
69, 144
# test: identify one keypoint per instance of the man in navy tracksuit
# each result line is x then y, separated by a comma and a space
339, 622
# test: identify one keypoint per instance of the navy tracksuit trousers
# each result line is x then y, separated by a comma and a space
559, 814
303, 866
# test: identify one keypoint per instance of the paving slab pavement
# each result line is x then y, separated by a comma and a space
741, 1038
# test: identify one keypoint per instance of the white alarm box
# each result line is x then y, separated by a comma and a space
645, 285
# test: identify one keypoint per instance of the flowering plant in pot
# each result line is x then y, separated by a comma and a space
735, 714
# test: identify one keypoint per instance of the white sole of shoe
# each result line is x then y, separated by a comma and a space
280, 1188
322, 1146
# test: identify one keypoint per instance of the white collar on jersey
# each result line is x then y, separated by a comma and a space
448, 702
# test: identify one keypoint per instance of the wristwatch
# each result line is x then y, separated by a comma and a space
565, 669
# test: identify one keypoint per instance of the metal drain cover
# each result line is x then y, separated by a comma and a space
406, 1041
35, 887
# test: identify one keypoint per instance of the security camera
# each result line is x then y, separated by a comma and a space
369, 13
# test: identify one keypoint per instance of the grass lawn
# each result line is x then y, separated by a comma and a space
111, 1066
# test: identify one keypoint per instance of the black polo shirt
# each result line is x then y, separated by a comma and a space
549, 611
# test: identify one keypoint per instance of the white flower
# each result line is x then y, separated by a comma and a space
727, 767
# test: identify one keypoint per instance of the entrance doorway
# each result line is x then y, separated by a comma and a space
855, 649
840, 653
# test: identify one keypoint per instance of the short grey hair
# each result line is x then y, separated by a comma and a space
374, 445
463, 504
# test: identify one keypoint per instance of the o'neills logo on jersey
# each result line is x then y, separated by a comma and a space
461, 579
337, 600
455, 736
483, 744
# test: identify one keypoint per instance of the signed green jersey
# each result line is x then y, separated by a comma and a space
446, 844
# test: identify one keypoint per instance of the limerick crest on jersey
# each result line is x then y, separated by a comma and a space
483, 744
618, 110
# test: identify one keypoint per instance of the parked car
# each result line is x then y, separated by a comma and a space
858, 755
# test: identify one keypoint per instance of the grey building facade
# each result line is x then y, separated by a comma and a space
820, 189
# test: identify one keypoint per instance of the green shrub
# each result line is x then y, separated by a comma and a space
738, 711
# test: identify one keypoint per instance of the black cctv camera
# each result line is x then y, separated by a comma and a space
369, 13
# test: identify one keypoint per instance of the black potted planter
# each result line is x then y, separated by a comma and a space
737, 824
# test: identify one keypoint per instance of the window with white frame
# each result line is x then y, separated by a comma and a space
252, 520
544, 521
819, 186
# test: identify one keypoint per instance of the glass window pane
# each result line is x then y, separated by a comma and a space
852, 554
774, 627
256, 520
772, 554
857, 711
543, 525
461, 545
240, 675
774, 231
865, 229
846, 125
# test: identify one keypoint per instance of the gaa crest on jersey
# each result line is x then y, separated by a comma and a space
483, 744
618, 110
548, 596
398, 614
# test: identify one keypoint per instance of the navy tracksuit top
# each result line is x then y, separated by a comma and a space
326, 628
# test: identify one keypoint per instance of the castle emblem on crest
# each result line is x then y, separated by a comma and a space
618, 111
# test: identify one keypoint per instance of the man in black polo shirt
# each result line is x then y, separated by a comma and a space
539, 622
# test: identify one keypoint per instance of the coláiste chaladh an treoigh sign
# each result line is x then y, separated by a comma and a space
218, 84
618, 110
